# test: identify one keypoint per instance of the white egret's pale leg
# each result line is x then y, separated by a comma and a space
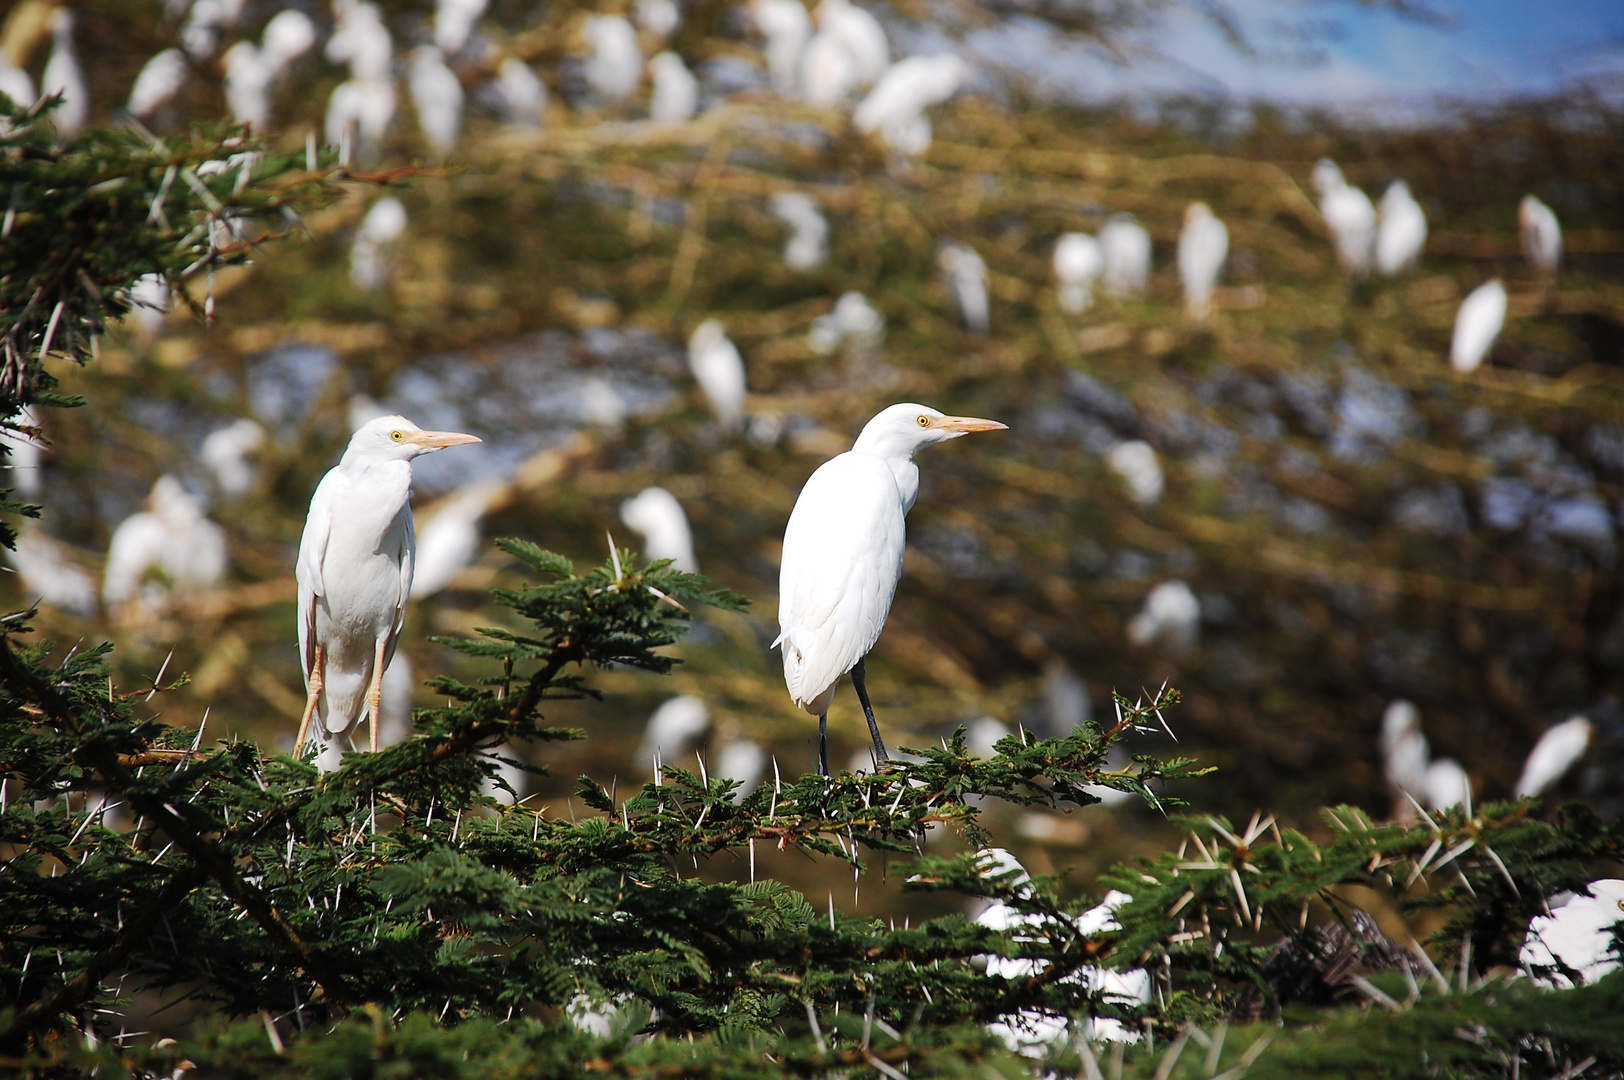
375, 691
310, 702
858, 677
823, 744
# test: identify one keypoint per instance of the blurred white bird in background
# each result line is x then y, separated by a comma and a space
524, 95
658, 516
1203, 247
808, 244
159, 81
226, 452
1477, 324
355, 574
601, 403
248, 85
1079, 260
860, 34
1350, 216
384, 224
842, 557
1126, 246
1541, 235
173, 538
361, 41
981, 736
1170, 617
659, 17
1405, 754
514, 777
895, 108
24, 455
358, 114
64, 76
449, 540
719, 369
1557, 751
829, 72
1065, 699
673, 729
676, 91
616, 65
437, 96
1579, 932
853, 323
200, 33
744, 761
1135, 461
395, 710
289, 35
149, 305
16, 83
1446, 785
966, 277
1401, 233
454, 21
50, 574
787, 26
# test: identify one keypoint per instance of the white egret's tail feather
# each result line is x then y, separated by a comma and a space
343, 700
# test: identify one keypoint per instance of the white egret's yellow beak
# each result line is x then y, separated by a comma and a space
439, 440
965, 425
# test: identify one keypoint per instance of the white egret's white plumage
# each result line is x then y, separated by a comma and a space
524, 95
1446, 785
1477, 324
658, 516
981, 735
659, 17
1404, 750
808, 244
674, 728
226, 451
829, 72
744, 761
1203, 247
1135, 461
437, 96
676, 91
449, 540
395, 710
1350, 215
1171, 617
860, 34
50, 574
1541, 235
895, 107
384, 224
453, 21
616, 64
355, 573
1579, 934
1126, 246
248, 85
1065, 699
853, 323
149, 304
160, 79
24, 455
172, 537
1557, 751
15, 83
64, 76
288, 36
201, 30
719, 369
359, 112
1401, 232
966, 275
362, 41
842, 556
1079, 260
787, 26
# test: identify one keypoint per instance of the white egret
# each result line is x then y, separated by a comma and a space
288, 36
64, 76
1579, 934
895, 107
1079, 260
1446, 785
1349, 214
658, 516
384, 224
717, 365
437, 96
860, 34
15, 83
676, 91
601, 403
1203, 247
1557, 751
1126, 246
967, 280
744, 761
1477, 324
1401, 232
395, 708
981, 736
787, 26
359, 112
355, 573
829, 72
361, 40
453, 21
616, 64
50, 573
24, 454
449, 540
853, 322
171, 537
509, 773
248, 85
1065, 699
659, 17
160, 80
1171, 617
1135, 462
808, 244
1404, 750
149, 304
226, 450
524, 95
201, 30
1541, 235
842, 557
674, 728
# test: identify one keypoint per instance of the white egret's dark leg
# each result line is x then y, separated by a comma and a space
880, 756
375, 692
823, 744
310, 701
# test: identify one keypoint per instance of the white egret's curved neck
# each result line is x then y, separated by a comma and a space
899, 459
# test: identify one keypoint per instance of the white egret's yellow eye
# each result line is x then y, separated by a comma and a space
1621, 905
924, 421
397, 435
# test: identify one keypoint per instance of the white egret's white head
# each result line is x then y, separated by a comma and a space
395, 438
903, 430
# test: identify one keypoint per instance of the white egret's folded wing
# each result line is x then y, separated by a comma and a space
308, 570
